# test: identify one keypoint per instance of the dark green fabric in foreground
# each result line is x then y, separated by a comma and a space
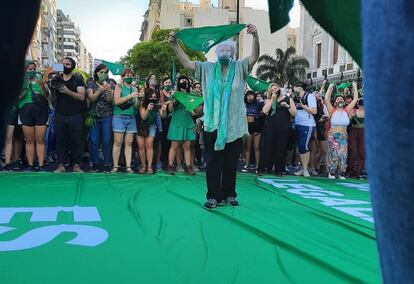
158, 231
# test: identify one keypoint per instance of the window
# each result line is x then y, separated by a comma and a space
335, 53
319, 55
188, 22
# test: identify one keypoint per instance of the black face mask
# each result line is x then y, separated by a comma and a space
183, 86
67, 70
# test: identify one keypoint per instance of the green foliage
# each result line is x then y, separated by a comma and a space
155, 57
285, 68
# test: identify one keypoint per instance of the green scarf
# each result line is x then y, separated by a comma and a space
257, 85
217, 103
203, 39
189, 100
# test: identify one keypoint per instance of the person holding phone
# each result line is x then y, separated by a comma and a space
123, 123
279, 110
149, 110
100, 95
70, 109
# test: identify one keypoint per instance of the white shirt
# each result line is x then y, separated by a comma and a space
303, 117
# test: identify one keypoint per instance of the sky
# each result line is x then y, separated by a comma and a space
110, 28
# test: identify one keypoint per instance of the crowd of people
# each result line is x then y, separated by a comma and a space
106, 126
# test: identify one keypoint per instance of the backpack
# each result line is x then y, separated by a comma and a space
319, 107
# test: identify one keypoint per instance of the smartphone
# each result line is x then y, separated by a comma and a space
57, 67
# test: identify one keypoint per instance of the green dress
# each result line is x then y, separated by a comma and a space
182, 125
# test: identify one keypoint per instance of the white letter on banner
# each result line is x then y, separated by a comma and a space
361, 187
309, 192
356, 211
86, 235
336, 201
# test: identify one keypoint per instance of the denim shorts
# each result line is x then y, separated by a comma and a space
124, 123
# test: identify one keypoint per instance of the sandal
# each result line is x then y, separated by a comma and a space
142, 170
114, 169
129, 170
150, 171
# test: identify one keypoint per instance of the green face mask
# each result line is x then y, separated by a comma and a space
224, 60
102, 77
30, 74
168, 88
296, 94
128, 80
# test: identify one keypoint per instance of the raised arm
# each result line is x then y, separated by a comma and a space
328, 98
355, 100
182, 57
322, 87
251, 29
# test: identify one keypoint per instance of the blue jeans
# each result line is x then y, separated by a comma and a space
101, 133
388, 40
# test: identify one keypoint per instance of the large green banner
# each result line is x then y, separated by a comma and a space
96, 228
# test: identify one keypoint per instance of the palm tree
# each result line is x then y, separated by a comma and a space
285, 68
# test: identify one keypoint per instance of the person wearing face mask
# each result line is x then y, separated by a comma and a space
279, 109
306, 106
181, 131
123, 122
149, 111
34, 114
254, 118
357, 141
166, 97
70, 108
100, 95
225, 122
337, 134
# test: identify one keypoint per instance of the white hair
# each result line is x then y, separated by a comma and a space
230, 43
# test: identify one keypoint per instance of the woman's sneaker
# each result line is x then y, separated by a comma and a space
245, 169
231, 201
342, 177
331, 176
306, 174
211, 203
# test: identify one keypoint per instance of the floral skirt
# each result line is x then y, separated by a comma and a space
337, 153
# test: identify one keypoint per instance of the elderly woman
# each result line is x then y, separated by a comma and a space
224, 118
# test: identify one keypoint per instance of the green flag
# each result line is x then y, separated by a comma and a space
203, 39
257, 85
116, 69
173, 73
343, 86
341, 20
189, 100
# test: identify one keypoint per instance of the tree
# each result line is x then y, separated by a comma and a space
155, 56
285, 68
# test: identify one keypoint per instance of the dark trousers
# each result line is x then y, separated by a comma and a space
273, 151
165, 143
221, 168
356, 152
68, 137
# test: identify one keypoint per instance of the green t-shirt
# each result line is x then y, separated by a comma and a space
131, 110
27, 98
182, 117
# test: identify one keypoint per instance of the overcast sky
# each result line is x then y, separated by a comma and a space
110, 28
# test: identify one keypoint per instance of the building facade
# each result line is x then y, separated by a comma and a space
168, 14
326, 57
48, 17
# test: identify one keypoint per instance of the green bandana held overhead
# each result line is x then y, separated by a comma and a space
189, 100
203, 39
342, 22
257, 85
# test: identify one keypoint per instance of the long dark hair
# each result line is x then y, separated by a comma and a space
188, 88
249, 92
97, 69
148, 94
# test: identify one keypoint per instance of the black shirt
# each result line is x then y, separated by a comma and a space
66, 104
280, 119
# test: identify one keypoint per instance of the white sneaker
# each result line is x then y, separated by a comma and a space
331, 176
306, 174
180, 169
342, 177
195, 169
299, 173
